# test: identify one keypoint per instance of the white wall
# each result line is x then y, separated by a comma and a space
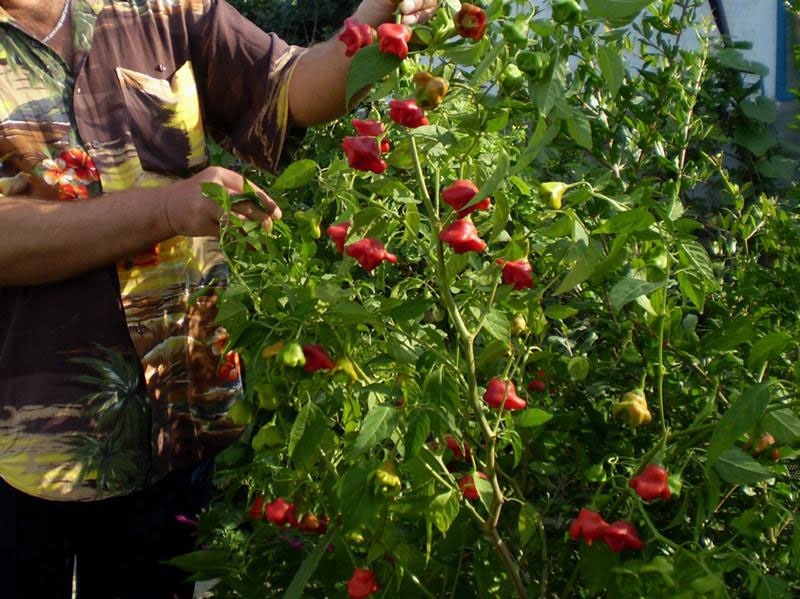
756, 21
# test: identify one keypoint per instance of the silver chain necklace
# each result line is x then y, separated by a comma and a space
60, 23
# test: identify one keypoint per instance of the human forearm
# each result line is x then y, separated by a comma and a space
317, 91
44, 241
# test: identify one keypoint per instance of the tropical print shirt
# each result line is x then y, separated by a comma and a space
111, 379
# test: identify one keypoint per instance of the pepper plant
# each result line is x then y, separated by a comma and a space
550, 325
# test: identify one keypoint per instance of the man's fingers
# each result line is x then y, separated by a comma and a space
235, 183
417, 11
250, 211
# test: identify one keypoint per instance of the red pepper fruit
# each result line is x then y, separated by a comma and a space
362, 584
356, 35
407, 113
471, 21
518, 273
311, 524
369, 253
457, 450
281, 513
462, 236
589, 525
497, 392
621, 535
229, 369
338, 233
364, 154
316, 358
393, 39
537, 384
373, 129
257, 509
467, 485
460, 193
651, 483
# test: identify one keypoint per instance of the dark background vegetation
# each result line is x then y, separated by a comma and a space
301, 22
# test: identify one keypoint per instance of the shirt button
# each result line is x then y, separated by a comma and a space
161, 68
78, 90
95, 144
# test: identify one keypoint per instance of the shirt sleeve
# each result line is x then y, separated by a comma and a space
244, 75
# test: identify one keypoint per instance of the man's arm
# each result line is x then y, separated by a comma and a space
45, 241
317, 90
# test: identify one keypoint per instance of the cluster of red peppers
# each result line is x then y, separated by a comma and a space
284, 515
369, 253
589, 525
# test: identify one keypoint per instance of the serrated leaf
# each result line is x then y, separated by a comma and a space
379, 423
297, 174
746, 410
738, 468
629, 289
612, 67
368, 66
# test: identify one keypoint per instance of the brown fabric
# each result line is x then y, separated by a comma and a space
112, 379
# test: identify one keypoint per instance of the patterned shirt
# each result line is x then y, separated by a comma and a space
113, 378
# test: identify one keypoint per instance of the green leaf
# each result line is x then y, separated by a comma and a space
559, 312
307, 431
578, 368
582, 270
368, 66
692, 289
444, 509
419, 427
616, 9
631, 221
746, 410
730, 336
379, 423
533, 417
784, 425
768, 348
527, 523
307, 568
480, 74
502, 211
297, 174
357, 496
212, 562
761, 109
410, 309
496, 324
629, 289
540, 139
465, 54
778, 167
580, 130
734, 59
738, 468
694, 256
772, 587
612, 67
756, 139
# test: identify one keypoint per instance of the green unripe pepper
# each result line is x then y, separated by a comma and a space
292, 355
533, 64
551, 193
311, 220
269, 435
511, 79
567, 12
267, 396
516, 32
240, 413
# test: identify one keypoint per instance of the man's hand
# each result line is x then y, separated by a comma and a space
187, 212
375, 12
